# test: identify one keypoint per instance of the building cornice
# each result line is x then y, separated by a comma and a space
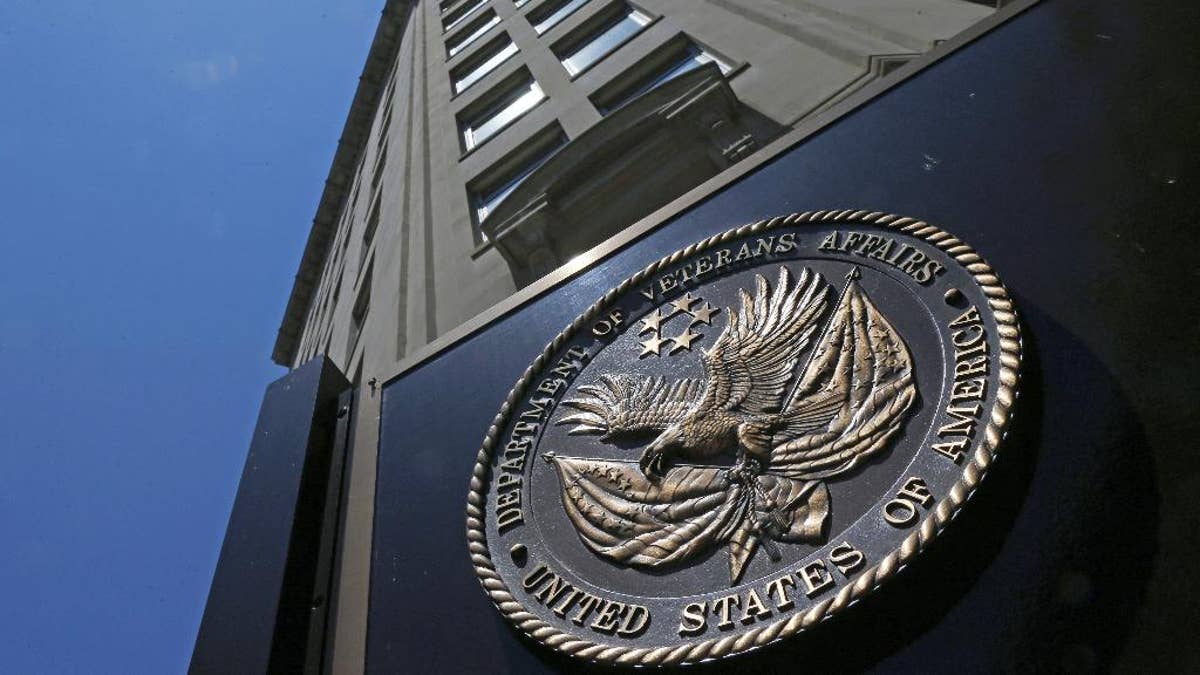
355, 133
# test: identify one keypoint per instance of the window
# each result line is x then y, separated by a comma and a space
384, 125
357, 181
390, 91
516, 100
347, 227
459, 14
324, 314
309, 328
326, 327
489, 59
380, 163
513, 172
680, 58
369, 231
358, 315
471, 33
580, 53
337, 288
548, 15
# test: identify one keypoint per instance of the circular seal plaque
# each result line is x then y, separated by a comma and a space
744, 438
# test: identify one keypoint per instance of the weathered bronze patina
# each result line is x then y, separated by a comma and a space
744, 438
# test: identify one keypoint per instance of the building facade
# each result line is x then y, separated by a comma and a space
491, 142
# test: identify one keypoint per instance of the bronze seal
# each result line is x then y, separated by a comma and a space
744, 438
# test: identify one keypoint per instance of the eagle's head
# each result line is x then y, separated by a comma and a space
670, 440
664, 446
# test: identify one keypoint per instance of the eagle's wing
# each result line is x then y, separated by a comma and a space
615, 405
852, 397
754, 360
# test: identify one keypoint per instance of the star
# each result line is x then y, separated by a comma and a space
704, 314
651, 346
652, 322
683, 341
685, 303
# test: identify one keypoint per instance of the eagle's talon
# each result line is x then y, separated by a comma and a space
651, 464
746, 470
753, 465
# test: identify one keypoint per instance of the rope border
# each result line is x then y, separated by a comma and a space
691, 652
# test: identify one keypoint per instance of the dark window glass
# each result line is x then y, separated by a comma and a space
518, 100
685, 60
461, 13
485, 201
460, 40
358, 316
549, 15
602, 40
494, 55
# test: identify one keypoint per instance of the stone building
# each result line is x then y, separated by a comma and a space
490, 142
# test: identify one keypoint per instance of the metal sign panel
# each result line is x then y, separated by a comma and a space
1046, 146
703, 421
268, 604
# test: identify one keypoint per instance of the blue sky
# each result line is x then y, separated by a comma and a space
160, 164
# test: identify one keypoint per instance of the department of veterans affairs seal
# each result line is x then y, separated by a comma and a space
744, 438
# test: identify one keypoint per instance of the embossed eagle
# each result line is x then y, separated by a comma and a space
789, 429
